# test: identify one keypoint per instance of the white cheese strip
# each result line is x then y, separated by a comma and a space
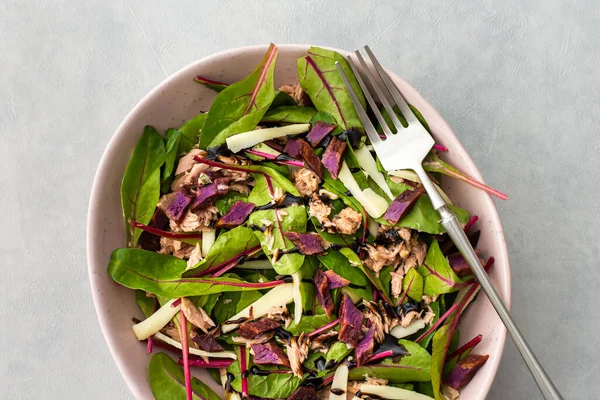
248, 139
196, 352
340, 382
156, 321
400, 332
374, 204
392, 393
296, 282
368, 163
278, 296
208, 239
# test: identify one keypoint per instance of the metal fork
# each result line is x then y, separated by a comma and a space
406, 150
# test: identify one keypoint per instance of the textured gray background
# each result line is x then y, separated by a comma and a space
517, 80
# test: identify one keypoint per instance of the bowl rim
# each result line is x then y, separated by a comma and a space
93, 224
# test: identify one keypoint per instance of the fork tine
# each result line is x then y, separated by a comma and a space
362, 114
396, 95
384, 126
382, 97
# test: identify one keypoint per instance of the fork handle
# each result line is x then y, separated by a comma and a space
458, 236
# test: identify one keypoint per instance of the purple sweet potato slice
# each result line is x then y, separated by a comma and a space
401, 204
236, 216
350, 322
308, 155
336, 281
318, 132
304, 393
292, 148
323, 294
269, 354
333, 156
364, 349
307, 243
208, 193
459, 265
179, 204
207, 342
465, 370
250, 330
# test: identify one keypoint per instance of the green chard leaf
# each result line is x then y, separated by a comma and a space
172, 139
374, 279
146, 303
413, 284
140, 188
435, 307
210, 84
161, 274
261, 193
232, 303
225, 202
337, 352
290, 115
190, 133
340, 264
241, 106
228, 247
282, 99
320, 79
290, 219
441, 342
437, 273
168, 383
309, 323
413, 367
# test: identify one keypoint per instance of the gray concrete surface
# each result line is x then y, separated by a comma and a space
517, 80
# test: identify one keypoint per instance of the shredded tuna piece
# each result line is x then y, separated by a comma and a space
410, 262
297, 93
187, 161
320, 211
380, 257
306, 181
428, 300
449, 392
240, 188
195, 256
196, 315
199, 220
397, 281
322, 342
429, 316
371, 380
280, 313
297, 350
409, 317
176, 248
347, 221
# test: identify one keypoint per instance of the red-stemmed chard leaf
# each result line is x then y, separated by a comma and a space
183, 331
471, 222
209, 83
466, 347
161, 274
333, 156
167, 234
402, 204
243, 369
213, 363
236, 215
320, 79
439, 147
324, 328
277, 159
433, 164
240, 107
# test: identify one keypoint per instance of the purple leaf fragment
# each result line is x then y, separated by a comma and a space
336, 281
333, 156
253, 329
207, 342
364, 349
208, 193
465, 370
323, 294
236, 215
401, 204
459, 265
179, 204
307, 243
308, 154
350, 322
292, 148
269, 354
318, 132
304, 393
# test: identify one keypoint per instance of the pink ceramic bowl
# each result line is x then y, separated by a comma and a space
177, 99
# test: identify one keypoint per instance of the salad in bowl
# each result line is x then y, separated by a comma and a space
267, 246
